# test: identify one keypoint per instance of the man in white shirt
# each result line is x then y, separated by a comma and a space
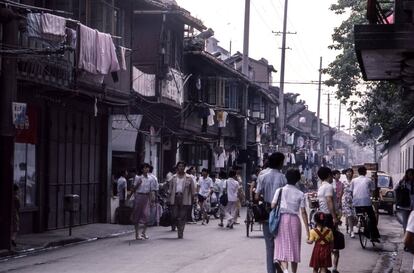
219, 186
206, 188
326, 193
362, 188
267, 184
232, 187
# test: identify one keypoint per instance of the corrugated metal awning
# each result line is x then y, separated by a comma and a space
124, 132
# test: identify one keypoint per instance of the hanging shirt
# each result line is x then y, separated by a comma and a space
122, 61
219, 159
210, 118
53, 24
106, 60
222, 119
87, 49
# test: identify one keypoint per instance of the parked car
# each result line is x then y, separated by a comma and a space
386, 192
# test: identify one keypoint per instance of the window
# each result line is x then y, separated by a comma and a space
105, 17
215, 91
173, 49
25, 173
231, 99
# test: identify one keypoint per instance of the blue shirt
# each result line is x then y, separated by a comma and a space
269, 182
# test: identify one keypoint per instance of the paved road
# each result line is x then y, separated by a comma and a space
204, 249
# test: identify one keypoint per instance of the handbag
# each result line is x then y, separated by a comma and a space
339, 240
224, 199
274, 216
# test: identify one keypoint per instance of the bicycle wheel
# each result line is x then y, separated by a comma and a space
248, 223
361, 233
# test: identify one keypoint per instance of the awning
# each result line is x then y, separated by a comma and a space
124, 132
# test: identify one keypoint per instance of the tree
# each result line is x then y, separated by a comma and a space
368, 102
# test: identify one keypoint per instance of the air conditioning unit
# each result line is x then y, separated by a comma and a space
262, 115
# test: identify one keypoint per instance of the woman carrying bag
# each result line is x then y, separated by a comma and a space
288, 237
404, 193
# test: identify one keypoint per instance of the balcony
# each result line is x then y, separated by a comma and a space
52, 65
56, 69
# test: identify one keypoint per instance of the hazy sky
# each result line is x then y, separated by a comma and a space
314, 24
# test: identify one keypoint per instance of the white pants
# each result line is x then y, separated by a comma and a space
231, 210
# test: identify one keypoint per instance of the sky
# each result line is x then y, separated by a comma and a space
313, 23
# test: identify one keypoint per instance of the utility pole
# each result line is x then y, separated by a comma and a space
319, 99
339, 117
245, 71
329, 109
282, 74
8, 87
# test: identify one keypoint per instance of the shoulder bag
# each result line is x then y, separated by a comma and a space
224, 199
275, 215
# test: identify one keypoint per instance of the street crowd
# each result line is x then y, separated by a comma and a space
185, 197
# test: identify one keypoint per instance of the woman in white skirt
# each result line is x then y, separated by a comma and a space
288, 238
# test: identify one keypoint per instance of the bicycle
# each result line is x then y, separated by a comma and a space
250, 219
363, 231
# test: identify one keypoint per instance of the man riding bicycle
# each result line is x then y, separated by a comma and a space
362, 188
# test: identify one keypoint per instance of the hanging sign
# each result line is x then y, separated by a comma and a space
20, 118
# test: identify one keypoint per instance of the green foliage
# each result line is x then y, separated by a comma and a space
369, 102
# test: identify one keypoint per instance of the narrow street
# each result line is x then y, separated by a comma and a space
203, 249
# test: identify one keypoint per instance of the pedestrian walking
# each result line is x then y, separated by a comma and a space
348, 210
326, 198
241, 196
182, 193
288, 238
144, 193
409, 235
232, 186
404, 190
193, 209
206, 189
155, 207
322, 236
220, 187
338, 193
362, 188
267, 184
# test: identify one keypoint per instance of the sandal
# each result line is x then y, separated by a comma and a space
144, 236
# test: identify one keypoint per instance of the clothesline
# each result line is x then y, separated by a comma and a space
78, 23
